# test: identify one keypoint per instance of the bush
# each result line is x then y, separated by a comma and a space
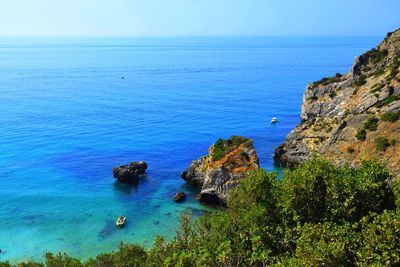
371, 124
361, 80
326, 244
388, 100
332, 94
381, 236
361, 135
391, 116
381, 143
376, 55
327, 80
350, 150
223, 147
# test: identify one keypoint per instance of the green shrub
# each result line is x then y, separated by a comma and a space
376, 55
361, 135
126, 256
371, 123
361, 80
326, 244
381, 143
332, 94
388, 100
327, 80
223, 147
391, 116
381, 240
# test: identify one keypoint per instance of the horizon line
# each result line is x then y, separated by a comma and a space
181, 35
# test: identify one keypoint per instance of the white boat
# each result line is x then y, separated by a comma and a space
274, 120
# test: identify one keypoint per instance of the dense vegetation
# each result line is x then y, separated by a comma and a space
316, 215
223, 147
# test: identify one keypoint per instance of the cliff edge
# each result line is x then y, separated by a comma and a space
353, 116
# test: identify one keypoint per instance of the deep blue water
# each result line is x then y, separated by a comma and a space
67, 118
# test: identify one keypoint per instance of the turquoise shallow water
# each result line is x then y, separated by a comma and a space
67, 118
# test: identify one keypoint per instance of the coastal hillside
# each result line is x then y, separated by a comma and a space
353, 116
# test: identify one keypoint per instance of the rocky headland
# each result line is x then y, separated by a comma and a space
130, 173
353, 116
221, 170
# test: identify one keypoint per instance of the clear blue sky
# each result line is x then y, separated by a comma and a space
198, 17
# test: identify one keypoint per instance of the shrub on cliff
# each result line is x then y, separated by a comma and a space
391, 116
371, 123
361, 135
381, 143
223, 147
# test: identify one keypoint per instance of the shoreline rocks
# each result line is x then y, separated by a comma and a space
130, 173
221, 170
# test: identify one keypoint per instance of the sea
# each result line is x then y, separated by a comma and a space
72, 108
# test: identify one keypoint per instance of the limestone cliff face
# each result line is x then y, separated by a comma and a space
222, 169
350, 117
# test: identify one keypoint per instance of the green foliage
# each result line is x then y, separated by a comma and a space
332, 94
318, 214
381, 240
375, 55
361, 134
326, 244
381, 143
371, 123
388, 100
61, 259
361, 80
223, 147
327, 80
391, 116
126, 256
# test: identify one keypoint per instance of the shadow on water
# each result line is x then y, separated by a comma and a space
109, 229
126, 189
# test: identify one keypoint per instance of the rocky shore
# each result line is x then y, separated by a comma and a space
353, 116
221, 170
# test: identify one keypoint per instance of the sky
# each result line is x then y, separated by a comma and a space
198, 17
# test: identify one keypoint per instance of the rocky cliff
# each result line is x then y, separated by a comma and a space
225, 165
353, 116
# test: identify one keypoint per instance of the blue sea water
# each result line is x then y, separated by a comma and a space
67, 117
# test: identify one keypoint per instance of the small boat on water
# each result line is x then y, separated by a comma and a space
274, 120
121, 221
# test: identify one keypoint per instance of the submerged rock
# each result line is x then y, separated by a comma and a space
222, 169
179, 197
129, 173
335, 111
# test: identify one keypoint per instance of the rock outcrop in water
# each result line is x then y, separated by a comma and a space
130, 173
350, 117
222, 169
179, 196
